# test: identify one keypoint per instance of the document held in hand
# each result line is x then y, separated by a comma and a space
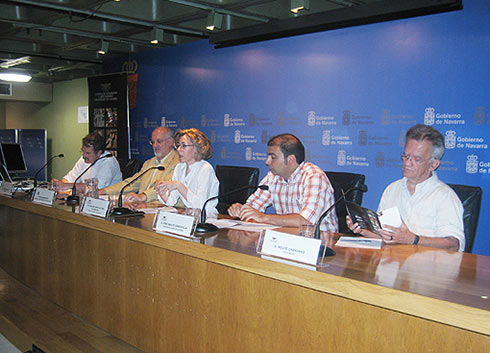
366, 218
370, 220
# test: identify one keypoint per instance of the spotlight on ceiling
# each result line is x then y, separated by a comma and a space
14, 77
299, 5
214, 20
156, 36
104, 47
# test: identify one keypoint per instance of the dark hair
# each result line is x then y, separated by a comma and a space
94, 140
421, 132
199, 140
289, 144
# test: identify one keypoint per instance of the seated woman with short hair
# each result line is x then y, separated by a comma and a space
194, 180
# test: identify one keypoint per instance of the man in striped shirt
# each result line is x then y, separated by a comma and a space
299, 191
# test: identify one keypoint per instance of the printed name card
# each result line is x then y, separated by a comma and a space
95, 207
290, 247
6, 188
174, 223
44, 196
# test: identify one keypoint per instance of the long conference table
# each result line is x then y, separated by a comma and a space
216, 294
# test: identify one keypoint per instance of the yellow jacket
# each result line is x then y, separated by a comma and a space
145, 183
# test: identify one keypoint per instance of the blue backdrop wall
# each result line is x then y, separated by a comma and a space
349, 94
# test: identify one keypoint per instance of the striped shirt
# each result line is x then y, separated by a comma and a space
308, 192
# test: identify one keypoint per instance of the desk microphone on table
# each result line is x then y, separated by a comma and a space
204, 227
73, 199
123, 211
44, 166
328, 251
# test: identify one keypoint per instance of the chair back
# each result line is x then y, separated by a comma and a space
341, 182
129, 167
231, 178
470, 197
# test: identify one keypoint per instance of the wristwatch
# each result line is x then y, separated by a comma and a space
416, 240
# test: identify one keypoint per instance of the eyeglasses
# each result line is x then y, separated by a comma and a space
405, 157
183, 145
87, 152
159, 141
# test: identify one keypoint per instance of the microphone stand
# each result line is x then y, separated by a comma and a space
44, 166
123, 211
325, 249
73, 199
204, 227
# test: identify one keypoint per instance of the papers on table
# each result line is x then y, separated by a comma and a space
155, 209
241, 225
359, 242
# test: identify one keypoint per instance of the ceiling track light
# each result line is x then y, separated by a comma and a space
299, 5
104, 47
156, 36
214, 20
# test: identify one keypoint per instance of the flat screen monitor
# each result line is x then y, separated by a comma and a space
13, 157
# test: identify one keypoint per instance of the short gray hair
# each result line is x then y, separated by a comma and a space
421, 132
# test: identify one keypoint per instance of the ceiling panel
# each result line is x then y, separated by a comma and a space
60, 39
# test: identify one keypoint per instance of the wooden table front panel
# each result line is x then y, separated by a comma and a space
165, 301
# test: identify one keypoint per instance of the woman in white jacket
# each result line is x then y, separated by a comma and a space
194, 180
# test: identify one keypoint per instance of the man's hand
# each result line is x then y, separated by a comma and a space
133, 197
354, 227
248, 213
393, 235
59, 185
234, 210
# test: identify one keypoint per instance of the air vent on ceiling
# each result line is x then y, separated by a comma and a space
5, 88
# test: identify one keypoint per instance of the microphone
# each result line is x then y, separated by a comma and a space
328, 251
123, 211
73, 199
44, 166
204, 227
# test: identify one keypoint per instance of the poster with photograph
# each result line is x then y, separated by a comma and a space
108, 111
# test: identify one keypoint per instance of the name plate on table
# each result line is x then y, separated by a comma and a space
43, 196
95, 207
290, 247
174, 223
6, 188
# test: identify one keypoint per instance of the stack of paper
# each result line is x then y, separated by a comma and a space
359, 242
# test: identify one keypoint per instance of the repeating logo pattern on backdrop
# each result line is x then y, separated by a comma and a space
357, 142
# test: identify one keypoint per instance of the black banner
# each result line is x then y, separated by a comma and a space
108, 111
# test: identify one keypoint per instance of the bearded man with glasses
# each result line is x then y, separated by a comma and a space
143, 190
431, 212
